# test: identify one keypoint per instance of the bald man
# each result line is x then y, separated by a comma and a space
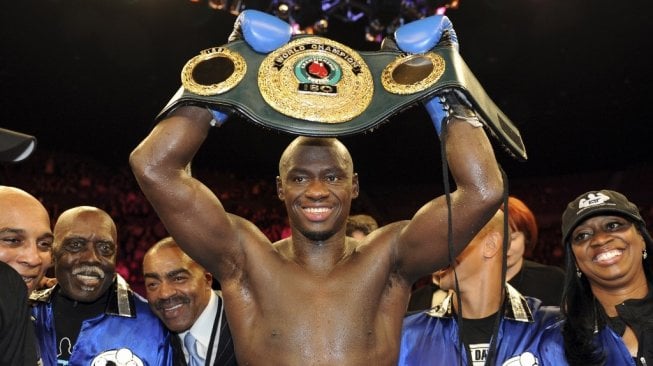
318, 297
25, 250
91, 316
25, 235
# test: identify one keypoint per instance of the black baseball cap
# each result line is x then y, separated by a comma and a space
595, 203
15, 146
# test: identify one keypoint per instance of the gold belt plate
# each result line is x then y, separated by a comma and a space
413, 73
214, 71
316, 79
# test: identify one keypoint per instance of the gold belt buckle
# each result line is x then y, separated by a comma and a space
316, 79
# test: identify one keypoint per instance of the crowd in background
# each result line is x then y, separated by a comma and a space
63, 180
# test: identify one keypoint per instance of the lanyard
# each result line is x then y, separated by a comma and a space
217, 324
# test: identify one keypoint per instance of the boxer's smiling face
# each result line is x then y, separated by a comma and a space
317, 184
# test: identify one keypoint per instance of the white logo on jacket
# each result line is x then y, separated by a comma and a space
525, 359
118, 357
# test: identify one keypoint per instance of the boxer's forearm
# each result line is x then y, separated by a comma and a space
472, 161
477, 177
171, 145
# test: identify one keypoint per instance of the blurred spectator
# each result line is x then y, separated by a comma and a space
359, 226
529, 277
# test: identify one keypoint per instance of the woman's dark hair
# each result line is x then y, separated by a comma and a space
582, 312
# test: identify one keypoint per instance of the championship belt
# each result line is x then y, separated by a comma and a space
314, 86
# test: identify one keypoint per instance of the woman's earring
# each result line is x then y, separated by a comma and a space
644, 254
579, 274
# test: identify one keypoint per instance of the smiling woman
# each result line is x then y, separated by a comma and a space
608, 279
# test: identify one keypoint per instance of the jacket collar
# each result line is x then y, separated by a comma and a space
516, 306
120, 303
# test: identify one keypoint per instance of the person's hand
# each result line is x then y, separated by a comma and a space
421, 36
450, 102
262, 31
47, 282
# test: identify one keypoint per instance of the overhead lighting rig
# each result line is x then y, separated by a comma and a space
381, 17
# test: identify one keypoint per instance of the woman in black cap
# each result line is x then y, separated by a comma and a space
607, 307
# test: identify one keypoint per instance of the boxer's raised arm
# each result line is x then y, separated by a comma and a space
190, 211
477, 196
192, 214
423, 242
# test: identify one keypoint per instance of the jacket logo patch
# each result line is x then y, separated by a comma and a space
593, 200
117, 357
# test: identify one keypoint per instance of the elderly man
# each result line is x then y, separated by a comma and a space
91, 316
180, 293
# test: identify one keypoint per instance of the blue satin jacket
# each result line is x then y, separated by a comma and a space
431, 337
127, 332
551, 351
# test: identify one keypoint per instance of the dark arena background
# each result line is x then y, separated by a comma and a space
87, 78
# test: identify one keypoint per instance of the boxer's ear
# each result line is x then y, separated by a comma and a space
280, 193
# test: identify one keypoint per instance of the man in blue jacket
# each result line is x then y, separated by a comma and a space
482, 302
91, 317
